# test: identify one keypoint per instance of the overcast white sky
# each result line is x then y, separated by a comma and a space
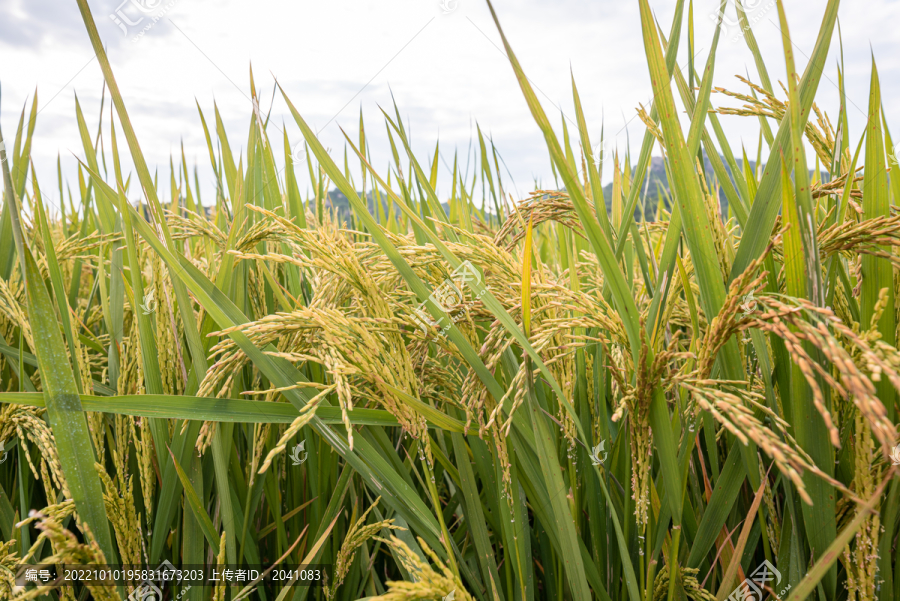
442, 61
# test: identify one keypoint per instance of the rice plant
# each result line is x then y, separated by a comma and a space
546, 398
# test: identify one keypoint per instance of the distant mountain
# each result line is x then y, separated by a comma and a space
655, 183
336, 199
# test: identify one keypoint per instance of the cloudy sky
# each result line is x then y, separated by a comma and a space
441, 59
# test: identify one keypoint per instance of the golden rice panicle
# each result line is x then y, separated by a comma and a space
773, 527
9, 562
131, 370
261, 434
123, 516
57, 511
427, 583
861, 556
689, 582
13, 307
67, 549
822, 140
797, 321
540, 206
356, 536
146, 459
219, 590
27, 424
730, 408
168, 331
306, 416
636, 401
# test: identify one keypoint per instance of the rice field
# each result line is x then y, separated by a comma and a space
427, 397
